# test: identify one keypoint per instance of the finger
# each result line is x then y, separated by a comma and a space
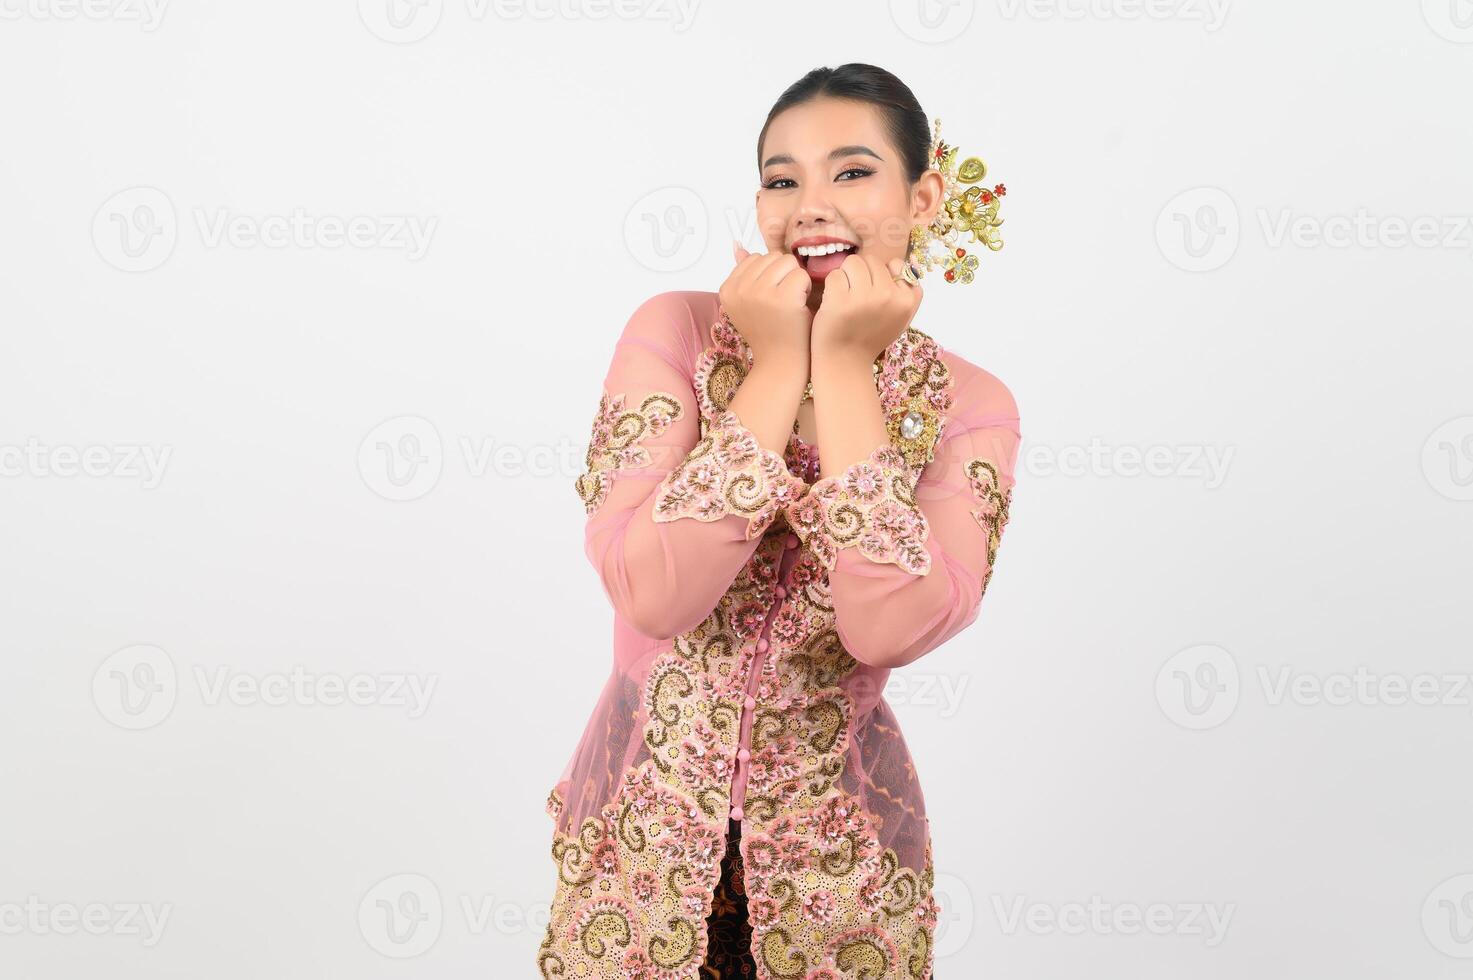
782, 264
793, 275
737, 252
856, 270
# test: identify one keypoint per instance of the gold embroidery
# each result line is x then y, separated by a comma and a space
614, 444
992, 515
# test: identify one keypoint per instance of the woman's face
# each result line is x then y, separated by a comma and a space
830, 175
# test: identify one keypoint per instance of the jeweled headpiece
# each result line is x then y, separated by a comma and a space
966, 207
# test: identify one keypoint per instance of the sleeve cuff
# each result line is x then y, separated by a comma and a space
728, 473
870, 506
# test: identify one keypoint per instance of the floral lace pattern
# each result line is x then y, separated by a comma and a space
828, 779
614, 444
992, 514
729, 472
871, 506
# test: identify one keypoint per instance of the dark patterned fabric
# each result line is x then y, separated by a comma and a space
729, 934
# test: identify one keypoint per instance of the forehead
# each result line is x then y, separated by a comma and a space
809, 131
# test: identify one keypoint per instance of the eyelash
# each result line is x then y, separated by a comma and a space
847, 170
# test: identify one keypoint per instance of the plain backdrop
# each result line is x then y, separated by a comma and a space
304, 313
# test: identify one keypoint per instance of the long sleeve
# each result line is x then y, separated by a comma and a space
672, 516
910, 556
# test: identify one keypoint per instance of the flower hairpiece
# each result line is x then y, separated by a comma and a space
966, 207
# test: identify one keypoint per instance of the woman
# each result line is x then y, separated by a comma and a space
790, 491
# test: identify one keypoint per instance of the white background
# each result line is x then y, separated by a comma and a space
1183, 276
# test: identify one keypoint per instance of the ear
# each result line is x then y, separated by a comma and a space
926, 197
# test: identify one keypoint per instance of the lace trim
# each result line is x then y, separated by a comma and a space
992, 515
871, 506
614, 444
728, 473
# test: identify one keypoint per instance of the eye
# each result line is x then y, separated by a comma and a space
772, 184
862, 171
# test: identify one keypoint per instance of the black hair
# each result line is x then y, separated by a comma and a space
905, 122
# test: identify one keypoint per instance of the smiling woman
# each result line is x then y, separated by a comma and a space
790, 490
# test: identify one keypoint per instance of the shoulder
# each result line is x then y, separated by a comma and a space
978, 395
676, 322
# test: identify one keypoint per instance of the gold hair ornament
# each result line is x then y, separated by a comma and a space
965, 207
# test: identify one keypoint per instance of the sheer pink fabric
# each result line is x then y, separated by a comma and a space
678, 565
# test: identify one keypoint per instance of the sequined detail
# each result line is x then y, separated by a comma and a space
992, 514
834, 846
728, 472
614, 444
871, 506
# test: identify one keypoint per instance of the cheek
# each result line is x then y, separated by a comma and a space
772, 224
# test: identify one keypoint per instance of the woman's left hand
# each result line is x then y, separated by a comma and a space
864, 308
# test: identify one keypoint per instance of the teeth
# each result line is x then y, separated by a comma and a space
809, 251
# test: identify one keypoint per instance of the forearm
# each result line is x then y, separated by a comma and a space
767, 400
846, 407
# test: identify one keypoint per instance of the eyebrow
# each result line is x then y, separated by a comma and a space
857, 149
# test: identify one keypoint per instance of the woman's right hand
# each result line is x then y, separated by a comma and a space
766, 298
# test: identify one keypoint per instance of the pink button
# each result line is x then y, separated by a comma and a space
736, 813
743, 754
751, 702
762, 645
792, 541
781, 591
